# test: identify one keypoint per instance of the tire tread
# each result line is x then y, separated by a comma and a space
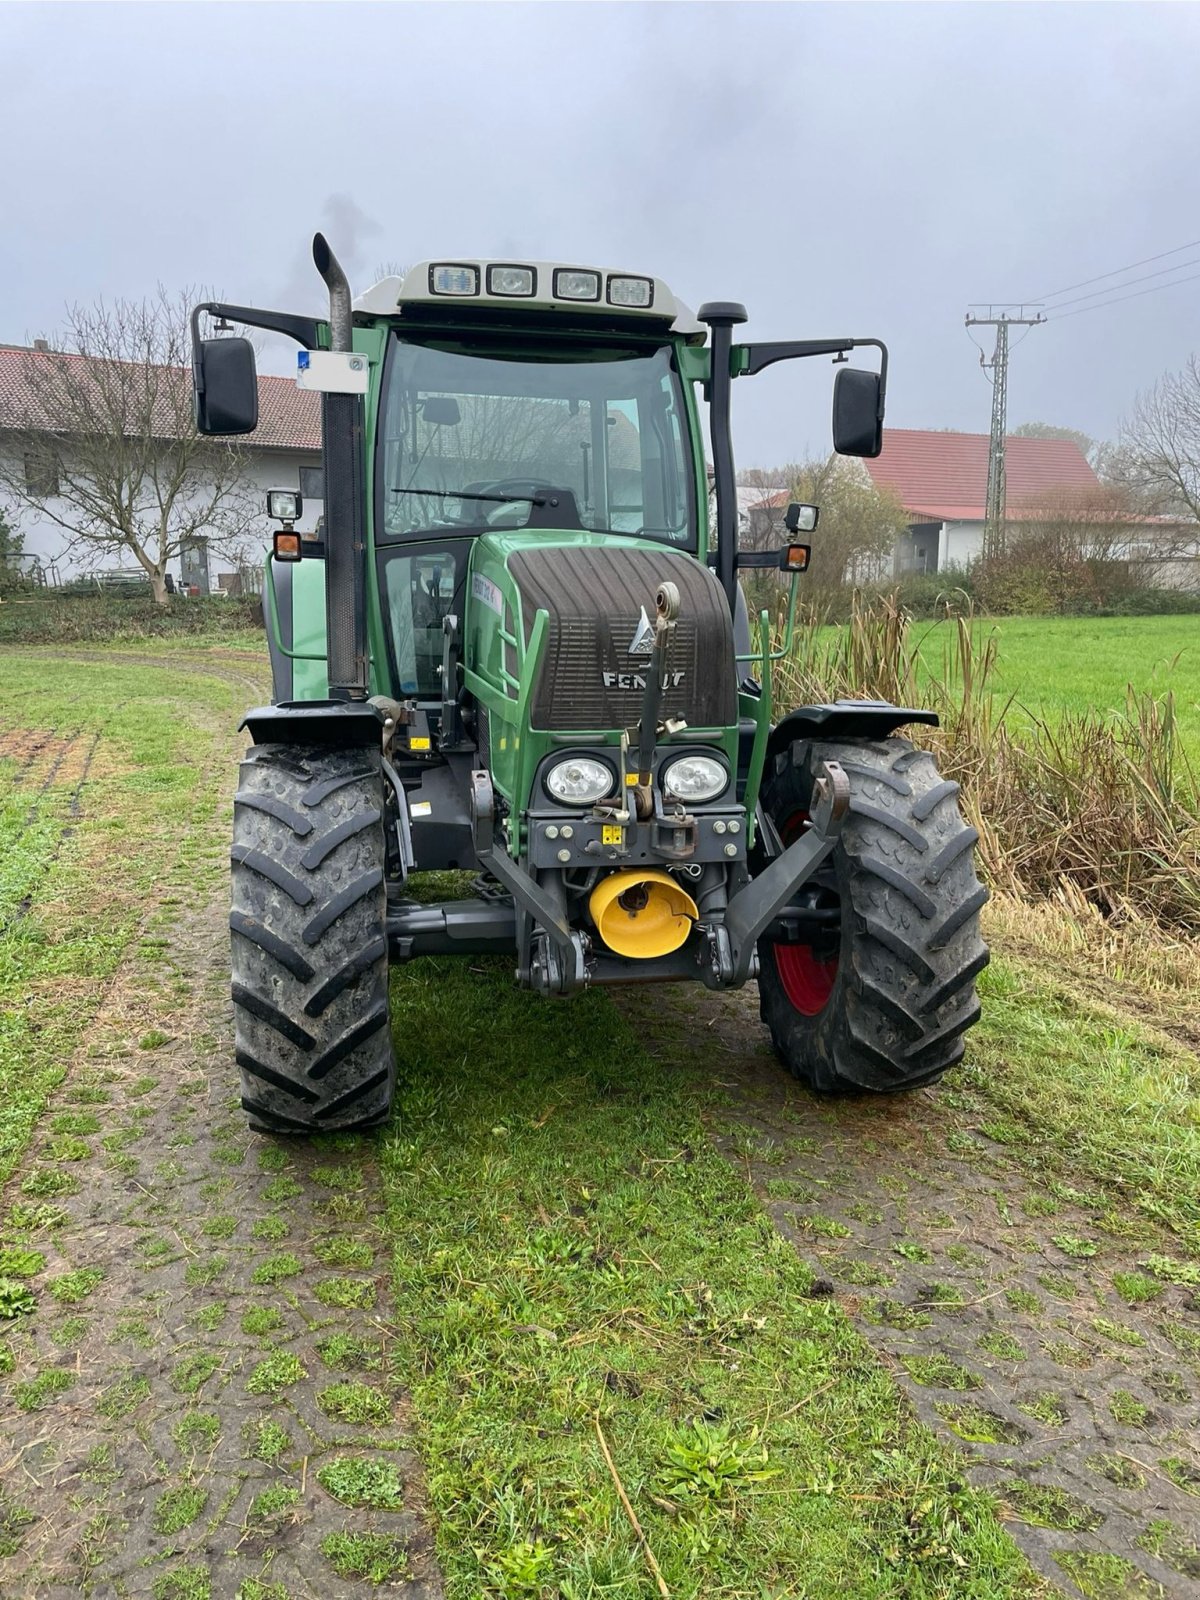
911, 950
309, 943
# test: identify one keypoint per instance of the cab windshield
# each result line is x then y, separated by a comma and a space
475, 442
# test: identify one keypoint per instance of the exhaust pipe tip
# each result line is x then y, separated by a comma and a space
338, 284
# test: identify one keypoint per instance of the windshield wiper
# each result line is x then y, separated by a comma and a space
462, 494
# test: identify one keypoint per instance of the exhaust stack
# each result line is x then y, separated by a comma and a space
336, 281
342, 431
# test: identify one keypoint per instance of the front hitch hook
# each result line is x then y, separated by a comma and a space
666, 610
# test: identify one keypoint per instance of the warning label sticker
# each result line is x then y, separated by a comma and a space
484, 590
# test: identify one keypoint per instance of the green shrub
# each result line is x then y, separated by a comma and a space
74, 616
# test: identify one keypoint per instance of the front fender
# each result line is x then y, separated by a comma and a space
844, 719
309, 722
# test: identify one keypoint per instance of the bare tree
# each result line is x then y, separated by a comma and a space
1050, 430
759, 524
1158, 455
1076, 525
105, 445
391, 268
12, 546
859, 524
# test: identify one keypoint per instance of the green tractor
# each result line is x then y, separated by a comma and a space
518, 650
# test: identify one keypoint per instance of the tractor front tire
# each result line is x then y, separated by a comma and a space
309, 939
881, 1001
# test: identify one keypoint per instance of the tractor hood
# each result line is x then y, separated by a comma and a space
598, 593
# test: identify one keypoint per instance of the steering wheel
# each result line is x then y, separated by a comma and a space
518, 487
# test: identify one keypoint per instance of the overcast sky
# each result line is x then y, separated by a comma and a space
848, 169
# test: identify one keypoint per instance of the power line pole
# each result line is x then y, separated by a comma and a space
993, 533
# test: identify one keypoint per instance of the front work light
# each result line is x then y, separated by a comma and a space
637, 293
283, 505
695, 778
451, 277
575, 285
514, 281
579, 781
801, 518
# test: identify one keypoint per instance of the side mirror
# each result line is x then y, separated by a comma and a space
801, 518
225, 386
440, 411
857, 413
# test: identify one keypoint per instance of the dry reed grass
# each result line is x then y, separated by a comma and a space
1098, 812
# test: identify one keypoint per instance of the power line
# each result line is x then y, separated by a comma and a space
1118, 271
1162, 272
1100, 304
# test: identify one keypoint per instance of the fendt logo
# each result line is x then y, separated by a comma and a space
642, 644
643, 637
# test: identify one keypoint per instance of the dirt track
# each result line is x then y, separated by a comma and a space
227, 1339
992, 1303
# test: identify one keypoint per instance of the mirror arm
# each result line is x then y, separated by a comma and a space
758, 356
302, 329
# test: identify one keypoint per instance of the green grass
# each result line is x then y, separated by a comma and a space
1053, 665
40, 1391
1045, 1506
197, 1431
269, 1506
71, 1287
358, 1403
1083, 1093
275, 1269
276, 1373
572, 1253
267, 1441
178, 1508
358, 1481
72, 896
374, 1556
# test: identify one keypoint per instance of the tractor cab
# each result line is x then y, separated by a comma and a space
541, 403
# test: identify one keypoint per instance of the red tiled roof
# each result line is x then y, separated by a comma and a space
943, 476
288, 418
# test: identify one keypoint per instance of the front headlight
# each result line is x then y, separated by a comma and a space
695, 778
579, 781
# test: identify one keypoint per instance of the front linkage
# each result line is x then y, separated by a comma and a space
555, 959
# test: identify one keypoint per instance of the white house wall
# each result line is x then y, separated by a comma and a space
45, 539
960, 544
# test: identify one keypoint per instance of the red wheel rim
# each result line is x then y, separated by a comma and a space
807, 981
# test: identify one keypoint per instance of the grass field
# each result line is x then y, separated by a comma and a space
586, 1287
1052, 665
78, 880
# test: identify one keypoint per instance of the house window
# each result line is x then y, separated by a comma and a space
41, 472
312, 483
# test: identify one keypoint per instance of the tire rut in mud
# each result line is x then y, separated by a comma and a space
200, 1399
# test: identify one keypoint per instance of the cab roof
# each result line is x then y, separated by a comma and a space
543, 286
